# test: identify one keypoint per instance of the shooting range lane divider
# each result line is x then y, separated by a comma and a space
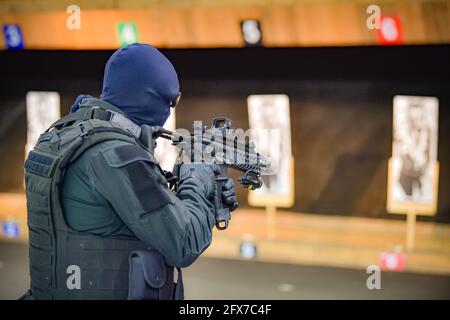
333, 241
306, 239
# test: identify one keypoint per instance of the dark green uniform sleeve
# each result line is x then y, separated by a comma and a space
179, 226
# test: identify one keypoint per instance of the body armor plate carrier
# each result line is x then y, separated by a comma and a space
57, 251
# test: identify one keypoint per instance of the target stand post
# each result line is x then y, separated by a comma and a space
411, 208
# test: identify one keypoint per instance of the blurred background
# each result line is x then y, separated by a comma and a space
340, 64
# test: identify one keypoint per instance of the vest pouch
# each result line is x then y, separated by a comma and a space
149, 277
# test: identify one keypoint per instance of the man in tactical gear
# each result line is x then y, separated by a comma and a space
103, 223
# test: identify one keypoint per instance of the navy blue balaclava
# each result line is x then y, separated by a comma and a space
141, 82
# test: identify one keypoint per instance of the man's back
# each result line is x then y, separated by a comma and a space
85, 208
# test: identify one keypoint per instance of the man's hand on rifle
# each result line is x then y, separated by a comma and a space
206, 174
229, 195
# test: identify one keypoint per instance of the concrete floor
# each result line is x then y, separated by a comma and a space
230, 279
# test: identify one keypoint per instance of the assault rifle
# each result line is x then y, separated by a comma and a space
221, 145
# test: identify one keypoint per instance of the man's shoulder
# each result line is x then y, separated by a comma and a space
117, 153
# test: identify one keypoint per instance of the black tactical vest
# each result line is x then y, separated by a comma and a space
57, 252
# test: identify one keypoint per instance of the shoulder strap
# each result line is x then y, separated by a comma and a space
95, 112
81, 114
